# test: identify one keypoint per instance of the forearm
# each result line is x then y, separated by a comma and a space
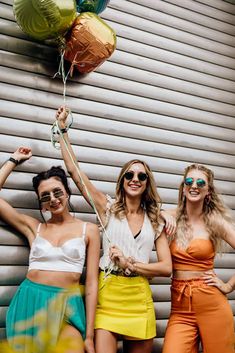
91, 302
231, 284
67, 153
5, 171
81, 180
161, 268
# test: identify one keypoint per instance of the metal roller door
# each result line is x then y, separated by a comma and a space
166, 95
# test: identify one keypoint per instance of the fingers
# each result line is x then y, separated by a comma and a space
211, 279
170, 225
22, 153
24, 150
62, 113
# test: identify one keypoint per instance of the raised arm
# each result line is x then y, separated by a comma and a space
98, 197
8, 214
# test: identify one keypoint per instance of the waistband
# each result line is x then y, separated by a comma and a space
188, 284
46, 287
121, 273
195, 280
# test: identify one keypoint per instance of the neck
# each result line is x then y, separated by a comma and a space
65, 217
194, 210
133, 205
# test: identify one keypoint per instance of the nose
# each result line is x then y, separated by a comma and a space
52, 196
135, 177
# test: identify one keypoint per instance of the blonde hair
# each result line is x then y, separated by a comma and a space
150, 201
215, 213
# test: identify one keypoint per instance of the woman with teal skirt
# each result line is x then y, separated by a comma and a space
47, 310
131, 227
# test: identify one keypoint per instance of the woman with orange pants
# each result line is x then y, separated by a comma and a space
200, 310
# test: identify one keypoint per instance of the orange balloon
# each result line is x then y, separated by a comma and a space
89, 43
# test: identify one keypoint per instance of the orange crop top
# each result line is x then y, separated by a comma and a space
198, 256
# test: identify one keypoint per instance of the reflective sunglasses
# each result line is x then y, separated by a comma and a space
47, 197
130, 175
189, 182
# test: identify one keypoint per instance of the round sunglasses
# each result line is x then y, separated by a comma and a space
199, 182
47, 197
130, 175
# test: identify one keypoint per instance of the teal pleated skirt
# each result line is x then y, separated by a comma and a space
37, 314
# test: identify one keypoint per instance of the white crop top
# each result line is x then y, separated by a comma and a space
119, 233
69, 257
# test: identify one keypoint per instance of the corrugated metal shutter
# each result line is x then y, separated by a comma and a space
165, 96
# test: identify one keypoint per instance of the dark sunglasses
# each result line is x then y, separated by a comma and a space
47, 197
200, 182
130, 176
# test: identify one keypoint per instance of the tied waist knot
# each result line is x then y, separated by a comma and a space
182, 291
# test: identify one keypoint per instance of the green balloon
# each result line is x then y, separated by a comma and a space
44, 19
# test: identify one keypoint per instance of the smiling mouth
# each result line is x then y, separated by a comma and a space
194, 193
134, 186
57, 205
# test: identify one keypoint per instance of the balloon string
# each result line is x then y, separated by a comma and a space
62, 73
55, 130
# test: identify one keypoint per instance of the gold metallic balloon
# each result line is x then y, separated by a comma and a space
44, 19
89, 43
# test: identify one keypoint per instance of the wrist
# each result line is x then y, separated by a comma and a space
14, 160
63, 129
230, 287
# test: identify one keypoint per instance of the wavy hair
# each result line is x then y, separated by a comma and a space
150, 200
215, 213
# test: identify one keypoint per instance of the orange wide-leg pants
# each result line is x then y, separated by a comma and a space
199, 313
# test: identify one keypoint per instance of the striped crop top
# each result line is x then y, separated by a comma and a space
198, 256
69, 257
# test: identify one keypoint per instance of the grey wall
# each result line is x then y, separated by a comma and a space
165, 96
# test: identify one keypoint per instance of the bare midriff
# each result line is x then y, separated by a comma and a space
54, 278
187, 274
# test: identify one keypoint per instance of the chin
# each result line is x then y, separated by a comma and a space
195, 199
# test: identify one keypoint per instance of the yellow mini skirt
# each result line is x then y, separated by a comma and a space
125, 306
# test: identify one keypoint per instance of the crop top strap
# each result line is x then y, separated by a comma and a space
84, 230
38, 229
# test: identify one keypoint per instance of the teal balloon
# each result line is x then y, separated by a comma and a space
44, 19
96, 6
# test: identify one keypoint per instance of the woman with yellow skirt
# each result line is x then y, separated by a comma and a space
132, 226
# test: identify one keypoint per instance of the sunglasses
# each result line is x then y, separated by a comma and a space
130, 175
200, 182
47, 197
